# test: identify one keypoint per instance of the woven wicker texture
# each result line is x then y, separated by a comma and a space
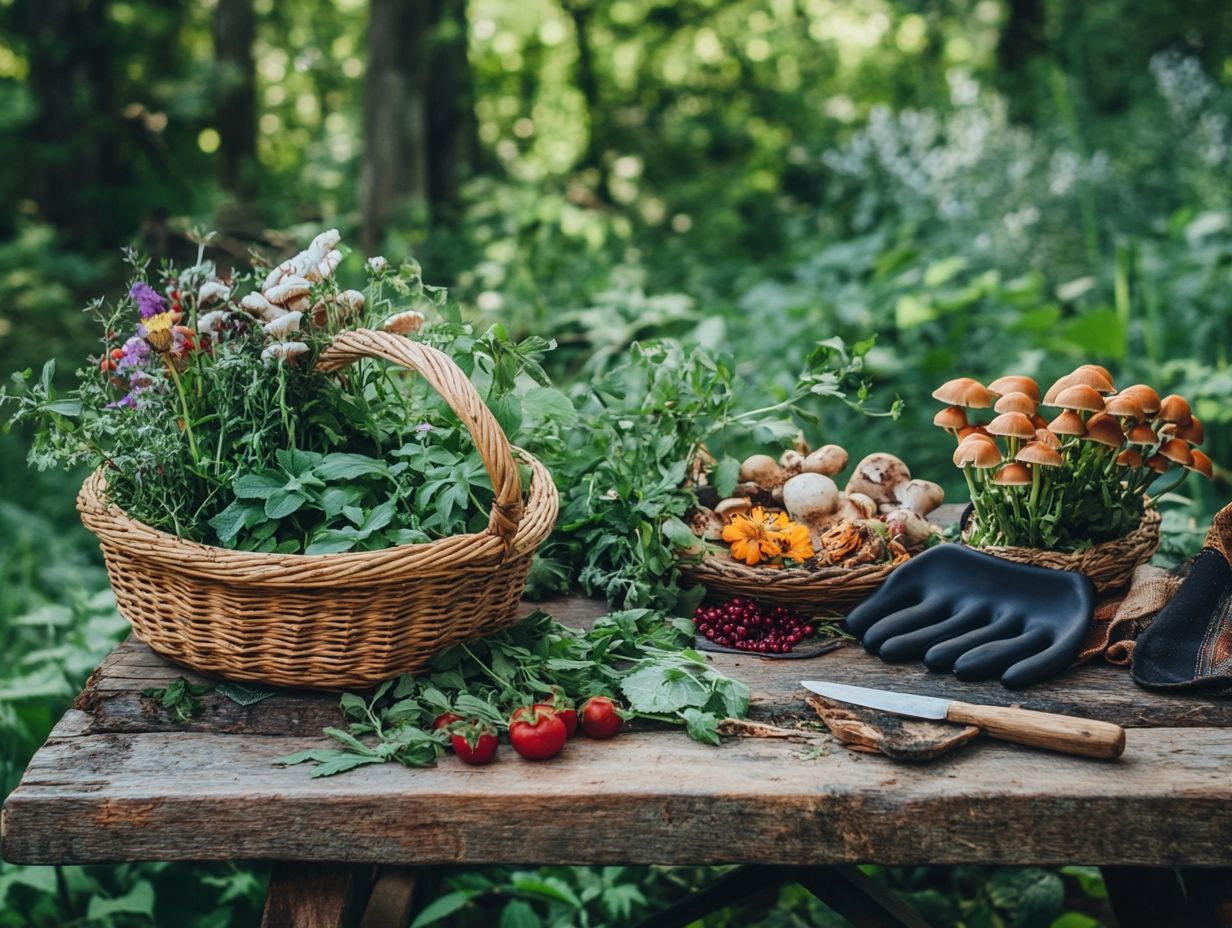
1110, 565
334, 620
828, 592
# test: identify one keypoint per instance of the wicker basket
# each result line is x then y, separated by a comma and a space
334, 620
830, 592
1110, 565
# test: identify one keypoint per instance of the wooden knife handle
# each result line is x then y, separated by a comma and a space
1043, 729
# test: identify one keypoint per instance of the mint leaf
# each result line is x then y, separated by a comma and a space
339, 466
702, 726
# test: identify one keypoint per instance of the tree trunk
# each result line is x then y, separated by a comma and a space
587, 80
1021, 44
452, 141
236, 115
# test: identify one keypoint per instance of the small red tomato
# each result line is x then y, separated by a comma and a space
474, 745
537, 733
566, 715
600, 718
445, 719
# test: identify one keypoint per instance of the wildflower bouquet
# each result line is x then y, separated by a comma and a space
213, 423
1074, 481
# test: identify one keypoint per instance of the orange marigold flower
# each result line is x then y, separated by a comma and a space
760, 536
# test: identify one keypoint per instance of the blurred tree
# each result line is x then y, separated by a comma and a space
236, 115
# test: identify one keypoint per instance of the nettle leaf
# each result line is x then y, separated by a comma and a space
281, 503
726, 476
679, 534
259, 486
659, 688
339, 466
702, 726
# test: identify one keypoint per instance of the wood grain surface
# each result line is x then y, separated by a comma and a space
118, 781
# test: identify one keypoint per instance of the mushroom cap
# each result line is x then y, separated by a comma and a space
1142, 434
1079, 396
1201, 463
808, 497
877, 475
1036, 452
1177, 451
762, 470
1191, 431
1013, 475
792, 461
733, 505
1124, 406
1158, 463
1068, 423
828, 460
1015, 383
1012, 425
1130, 457
970, 430
920, 496
952, 417
1039, 421
1105, 431
1175, 408
963, 391
1047, 437
1094, 375
977, 453
1146, 396
1015, 402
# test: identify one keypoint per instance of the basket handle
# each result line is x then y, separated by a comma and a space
447, 379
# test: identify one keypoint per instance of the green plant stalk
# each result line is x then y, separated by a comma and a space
179, 389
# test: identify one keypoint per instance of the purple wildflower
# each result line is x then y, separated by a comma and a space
423, 428
149, 300
139, 382
136, 351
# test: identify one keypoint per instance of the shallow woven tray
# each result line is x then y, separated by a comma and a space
333, 620
1110, 565
829, 592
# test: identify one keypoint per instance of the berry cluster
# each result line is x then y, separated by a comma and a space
742, 624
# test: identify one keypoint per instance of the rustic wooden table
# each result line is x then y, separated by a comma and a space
119, 780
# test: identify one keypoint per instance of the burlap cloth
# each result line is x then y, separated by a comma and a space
1121, 618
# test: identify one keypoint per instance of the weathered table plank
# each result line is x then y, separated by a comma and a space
641, 798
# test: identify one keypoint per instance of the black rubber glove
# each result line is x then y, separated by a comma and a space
977, 615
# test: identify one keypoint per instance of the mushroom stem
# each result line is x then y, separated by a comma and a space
1152, 500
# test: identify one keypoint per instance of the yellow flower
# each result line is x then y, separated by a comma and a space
762, 536
158, 331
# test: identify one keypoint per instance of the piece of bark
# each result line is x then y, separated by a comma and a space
912, 740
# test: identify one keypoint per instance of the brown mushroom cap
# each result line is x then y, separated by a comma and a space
1130, 457
1177, 451
963, 391
1106, 432
1012, 425
1079, 396
1124, 406
1094, 375
1015, 402
1068, 423
1015, 383
1013, 475
1201, 463
972, 430
1142, 434
1036, 452
1191, 431
977, 453
1146, 396
1175, 408
1048, 437
1158, 463
952, 417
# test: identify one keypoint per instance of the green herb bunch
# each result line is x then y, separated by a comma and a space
622, 469
213, 423
638, 654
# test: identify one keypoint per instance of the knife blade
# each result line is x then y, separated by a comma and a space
1047, 730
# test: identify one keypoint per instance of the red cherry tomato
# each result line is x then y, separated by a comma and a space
445, 719
600, 718
537, 733
475, 746
567, 715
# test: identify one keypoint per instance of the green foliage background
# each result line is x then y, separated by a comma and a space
989, 186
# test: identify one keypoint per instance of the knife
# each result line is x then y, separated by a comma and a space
1046, 730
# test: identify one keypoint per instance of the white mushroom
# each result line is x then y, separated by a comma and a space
762, 470
283, 351
811, 499
209, 323
211, 291
733, 506
792, 462
284, 325
707, 524
877, 476
404, 323
352, 301
828, 460
909, 527
256, 304
287, 288
920, 496
855, 506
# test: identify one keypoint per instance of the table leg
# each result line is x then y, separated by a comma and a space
316, 895
858, 898
393, 896
1145, 897
732, 887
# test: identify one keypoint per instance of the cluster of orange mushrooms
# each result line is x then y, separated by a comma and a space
1032, 478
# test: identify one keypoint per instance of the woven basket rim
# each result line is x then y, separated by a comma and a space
718, 568
1147, 526
397, 564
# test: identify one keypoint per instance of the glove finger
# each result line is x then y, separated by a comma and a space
943, 655
889, 599
1047, 663
990, 660
913, 618
912, 645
